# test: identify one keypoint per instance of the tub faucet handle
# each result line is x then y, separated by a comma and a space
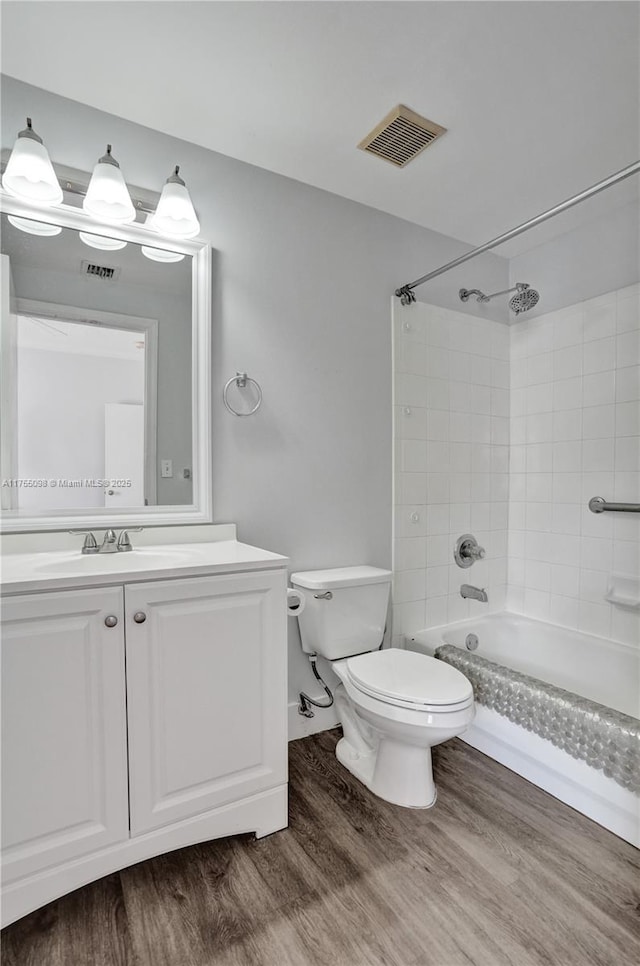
467, 550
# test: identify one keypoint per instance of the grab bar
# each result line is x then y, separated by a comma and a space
598, 504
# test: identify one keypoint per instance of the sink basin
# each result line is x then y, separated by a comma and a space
145, 557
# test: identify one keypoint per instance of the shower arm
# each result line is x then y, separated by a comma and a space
406, 294
466, 293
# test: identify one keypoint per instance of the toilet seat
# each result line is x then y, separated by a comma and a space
407, 679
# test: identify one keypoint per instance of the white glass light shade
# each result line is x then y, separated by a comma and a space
29, 174
101, 241
175, 215
107, 197
161, 254
34, 227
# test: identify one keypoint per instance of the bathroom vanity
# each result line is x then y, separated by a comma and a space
144, 707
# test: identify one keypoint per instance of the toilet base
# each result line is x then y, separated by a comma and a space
398, 773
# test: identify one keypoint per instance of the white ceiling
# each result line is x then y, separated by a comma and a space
541, 99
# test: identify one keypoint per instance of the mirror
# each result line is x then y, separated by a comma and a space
105, 373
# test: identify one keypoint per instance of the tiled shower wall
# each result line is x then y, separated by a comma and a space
575, 412
451, 438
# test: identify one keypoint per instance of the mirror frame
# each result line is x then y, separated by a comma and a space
200, 511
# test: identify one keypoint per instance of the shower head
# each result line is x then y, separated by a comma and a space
524, 299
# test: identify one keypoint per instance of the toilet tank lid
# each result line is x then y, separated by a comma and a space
340, 577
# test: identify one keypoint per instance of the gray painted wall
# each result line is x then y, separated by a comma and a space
302, 283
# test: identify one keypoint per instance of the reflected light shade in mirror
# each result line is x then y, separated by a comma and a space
34, 227
29, 174
101, 241
161, 255
107, 196
175, 215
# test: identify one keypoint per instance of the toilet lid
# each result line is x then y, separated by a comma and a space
395, 674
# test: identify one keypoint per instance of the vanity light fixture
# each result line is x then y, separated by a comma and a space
29, 174
107, 197
34, 227
101, 241
175, 215
161, 254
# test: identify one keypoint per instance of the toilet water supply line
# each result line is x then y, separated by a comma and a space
295, 605
305, 700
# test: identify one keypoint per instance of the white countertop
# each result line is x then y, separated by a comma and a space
65, 569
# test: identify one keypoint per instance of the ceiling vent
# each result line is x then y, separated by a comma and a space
401, 136
100, 271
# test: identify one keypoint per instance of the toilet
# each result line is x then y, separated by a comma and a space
393, 705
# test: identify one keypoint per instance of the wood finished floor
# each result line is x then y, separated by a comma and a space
497, 874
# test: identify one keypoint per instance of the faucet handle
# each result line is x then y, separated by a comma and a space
467, 550
124, 543
89, 545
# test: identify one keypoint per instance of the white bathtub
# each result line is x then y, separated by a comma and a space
604, 671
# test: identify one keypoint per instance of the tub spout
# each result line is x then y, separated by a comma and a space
475, 593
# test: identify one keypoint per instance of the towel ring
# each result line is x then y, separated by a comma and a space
241, 379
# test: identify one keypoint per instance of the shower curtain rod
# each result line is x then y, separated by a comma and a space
405, 292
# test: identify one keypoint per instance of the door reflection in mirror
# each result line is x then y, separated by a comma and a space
90, 455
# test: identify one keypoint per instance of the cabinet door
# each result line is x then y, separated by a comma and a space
206, 692
64, 746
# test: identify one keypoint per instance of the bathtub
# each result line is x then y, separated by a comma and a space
600, 670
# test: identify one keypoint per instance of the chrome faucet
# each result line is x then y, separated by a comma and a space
109, 544
475, 593
124, 543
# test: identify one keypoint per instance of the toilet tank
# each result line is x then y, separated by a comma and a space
345, 610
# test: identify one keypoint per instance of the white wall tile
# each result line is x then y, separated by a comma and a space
437, 582
409, 618
625, 625
593, 585
563, 611
410, 488
599, 355
409, 585
410, 553
567, 362
627, 454
567, 393
565, 580
627, 419
437, 487
567, 327
628, 349
628, 314
628, 384
597, 454
437, 362
599, 422
567, 425
599, 316
439, 550
436, 394
410, 390
598, 389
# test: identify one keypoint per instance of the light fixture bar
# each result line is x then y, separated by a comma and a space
76, 182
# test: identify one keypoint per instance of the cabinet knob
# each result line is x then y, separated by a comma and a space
140, 617
111, 620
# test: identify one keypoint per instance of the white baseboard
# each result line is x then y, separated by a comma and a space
299, 727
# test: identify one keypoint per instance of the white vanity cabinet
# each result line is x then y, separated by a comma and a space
206, 685
137, 719
64, 739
